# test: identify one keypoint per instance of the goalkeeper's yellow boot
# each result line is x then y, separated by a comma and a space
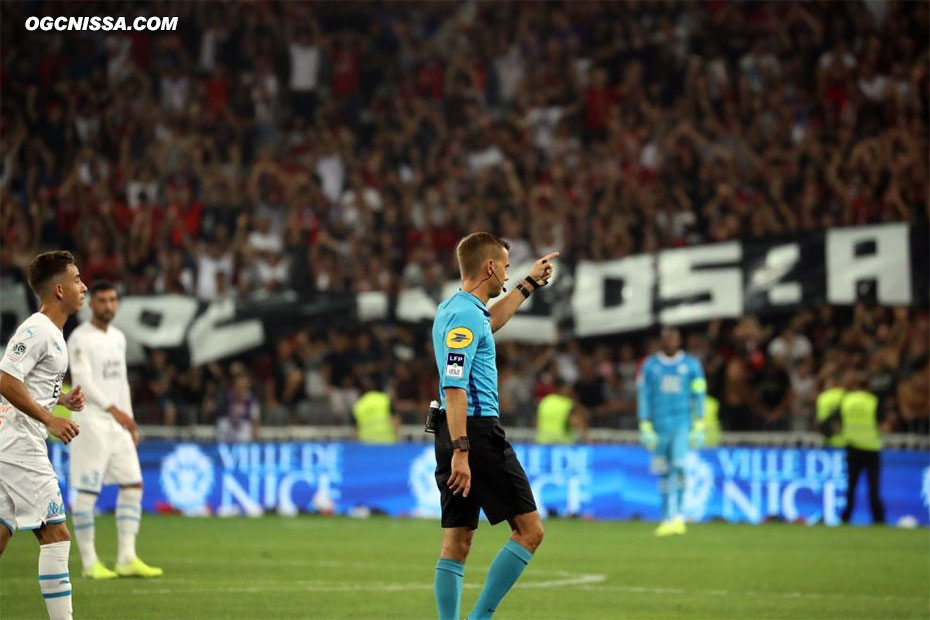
666, 528
678, 526
99, 572
138, 568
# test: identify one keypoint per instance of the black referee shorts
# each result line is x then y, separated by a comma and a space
499, 485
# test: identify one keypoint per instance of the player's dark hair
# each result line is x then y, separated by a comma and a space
476, 248
100, 286
45, 267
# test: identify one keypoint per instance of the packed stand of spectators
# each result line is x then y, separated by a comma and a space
766, 375
345, 147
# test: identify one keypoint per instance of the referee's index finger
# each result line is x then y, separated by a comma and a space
549, 257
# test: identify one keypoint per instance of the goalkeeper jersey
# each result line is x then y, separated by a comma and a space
671, 391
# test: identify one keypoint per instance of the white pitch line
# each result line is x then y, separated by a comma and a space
581, 582
747, 593
587, 578
573, 579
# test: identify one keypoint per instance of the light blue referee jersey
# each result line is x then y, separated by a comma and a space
671, 391
465, 353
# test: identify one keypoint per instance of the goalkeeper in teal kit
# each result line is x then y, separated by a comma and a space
672, 390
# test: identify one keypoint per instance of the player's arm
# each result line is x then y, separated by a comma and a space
458, 349
22, 355
73, 400
15, 393
127, 393
502, 311
648, 435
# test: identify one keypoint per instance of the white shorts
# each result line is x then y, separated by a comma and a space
103, 453
29, 493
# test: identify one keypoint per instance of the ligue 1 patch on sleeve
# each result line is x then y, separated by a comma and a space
455, 365
16, 351
459, 338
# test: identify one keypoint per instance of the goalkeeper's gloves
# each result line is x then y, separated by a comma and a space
696, 438
647, 435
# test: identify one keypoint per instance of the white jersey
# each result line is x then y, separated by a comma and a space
38, 356
98, 365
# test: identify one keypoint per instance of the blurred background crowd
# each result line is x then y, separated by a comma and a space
333, 148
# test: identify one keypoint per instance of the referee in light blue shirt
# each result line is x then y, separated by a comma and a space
476, 467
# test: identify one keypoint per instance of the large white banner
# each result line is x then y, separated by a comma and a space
887, 264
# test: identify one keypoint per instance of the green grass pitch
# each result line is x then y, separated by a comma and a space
318, 567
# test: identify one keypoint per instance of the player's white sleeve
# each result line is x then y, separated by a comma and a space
82, 374
24, 351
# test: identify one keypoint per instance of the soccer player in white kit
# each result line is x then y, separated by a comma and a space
105, 452
31, 373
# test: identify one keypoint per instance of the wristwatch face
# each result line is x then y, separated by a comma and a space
461, 444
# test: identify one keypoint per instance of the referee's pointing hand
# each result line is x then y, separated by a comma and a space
542, 269
460, 478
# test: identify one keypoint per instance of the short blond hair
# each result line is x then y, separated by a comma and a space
473, 250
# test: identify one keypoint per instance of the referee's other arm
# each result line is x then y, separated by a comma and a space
456, 411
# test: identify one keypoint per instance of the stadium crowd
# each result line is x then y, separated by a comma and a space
345, 147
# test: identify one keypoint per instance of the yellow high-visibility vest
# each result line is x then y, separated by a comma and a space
859, 412
827, 403
373, 418
552, 419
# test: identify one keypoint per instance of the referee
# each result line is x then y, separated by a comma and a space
476, 467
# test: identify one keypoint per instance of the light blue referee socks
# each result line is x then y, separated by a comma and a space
449, 577
504, 572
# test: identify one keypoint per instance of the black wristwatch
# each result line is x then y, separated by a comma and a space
461, 444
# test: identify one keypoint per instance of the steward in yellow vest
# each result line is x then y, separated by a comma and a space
828, 415
557, 415
859, 414
373, 419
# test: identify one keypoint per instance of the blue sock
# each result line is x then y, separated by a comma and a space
679, 476
449, 576
665, 491
504, 572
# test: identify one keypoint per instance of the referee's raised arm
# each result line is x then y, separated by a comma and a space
539, 276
